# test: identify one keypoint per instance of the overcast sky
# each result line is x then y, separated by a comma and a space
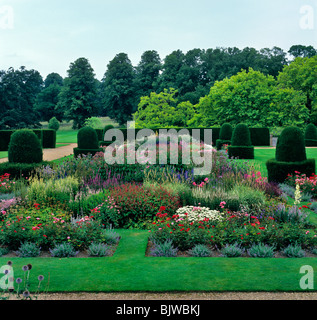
48, 35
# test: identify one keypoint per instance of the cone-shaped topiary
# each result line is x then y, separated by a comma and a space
241, 145
25, 147
241, 136
225, 132
290, 156
311, 135
291, 146
224, 135
87, 140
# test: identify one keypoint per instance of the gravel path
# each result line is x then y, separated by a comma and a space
182, 296
53, 154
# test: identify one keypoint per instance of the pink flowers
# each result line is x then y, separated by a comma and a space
206, 180
222, 204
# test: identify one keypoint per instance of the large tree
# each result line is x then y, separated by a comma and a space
18, 92
119, 96
47, 99
252, 98
301, 75
162, 110
77, 99
147, 73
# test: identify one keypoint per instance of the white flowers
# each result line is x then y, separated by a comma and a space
199, 213
297, 194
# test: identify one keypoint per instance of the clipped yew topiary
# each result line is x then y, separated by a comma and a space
241, 145
290, 156
311, 135
25, 147
225, 135
87, 141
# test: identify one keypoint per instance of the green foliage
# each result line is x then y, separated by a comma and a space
18, 170
28, 250
53, 124
87, 138
291, 146
226, 131
278, 170
164, 249
18, 92
241, 136
93, 122
99, 250
253, 98
63, 250
260, 250
118, 90
231, 251
294, 251
200, 250
77, 99
311, 135
162, 110
49, 138
241, 145
25, 147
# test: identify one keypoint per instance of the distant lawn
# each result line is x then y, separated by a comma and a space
262, 155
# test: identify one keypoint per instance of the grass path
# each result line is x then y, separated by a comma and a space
130, 271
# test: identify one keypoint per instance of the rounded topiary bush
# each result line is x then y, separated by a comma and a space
87, 140
225, 135
241, 136
290, 156
311, 135
25, 147
291, 146
241, 145
53, 124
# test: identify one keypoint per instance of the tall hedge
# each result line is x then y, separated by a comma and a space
311, 135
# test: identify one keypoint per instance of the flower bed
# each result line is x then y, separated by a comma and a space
77, 201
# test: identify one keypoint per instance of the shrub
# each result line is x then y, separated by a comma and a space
200, 250
99, 250
87, 140
20, 170
311, 135
241, 145
110, 236
290, 214
231, 251
165, 249
261, 250
25, 147
241, 136
53, 124
5, 136
107, 212
4, 251
291, 146
63, 250
28, 249
224, 135
294, 251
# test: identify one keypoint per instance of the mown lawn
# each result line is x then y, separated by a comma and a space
130, 270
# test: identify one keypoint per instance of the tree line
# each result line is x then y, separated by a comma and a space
26, 98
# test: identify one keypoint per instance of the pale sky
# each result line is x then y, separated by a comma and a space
48, 35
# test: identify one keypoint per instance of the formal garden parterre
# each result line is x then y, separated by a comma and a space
81, 205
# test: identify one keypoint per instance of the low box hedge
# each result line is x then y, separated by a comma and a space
241, 152
49, 138
310, 143
278, 170
18, 170
220, 143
